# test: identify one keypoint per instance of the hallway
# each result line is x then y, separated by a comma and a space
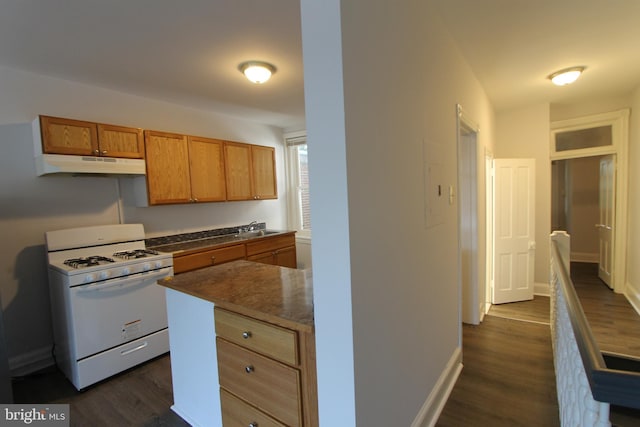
508, 376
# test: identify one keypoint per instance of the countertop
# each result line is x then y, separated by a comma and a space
186, 247
278, 295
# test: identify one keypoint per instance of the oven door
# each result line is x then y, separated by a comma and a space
113, 312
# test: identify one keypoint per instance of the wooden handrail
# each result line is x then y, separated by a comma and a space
615, 386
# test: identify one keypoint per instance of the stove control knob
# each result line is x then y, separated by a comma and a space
158, 264
89, 278
146, 266
104, 275
126, 271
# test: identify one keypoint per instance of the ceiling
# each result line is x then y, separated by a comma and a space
188, 52
513, 45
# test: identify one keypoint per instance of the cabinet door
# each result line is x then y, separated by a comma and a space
206, 162
264, 258
167, 158
286, 257
263, 165
237, 159
66, 136
120, 141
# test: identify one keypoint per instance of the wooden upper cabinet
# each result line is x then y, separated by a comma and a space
167, 158
237, 161
263, 161
206, 165
68, 136
250, 172
120, 141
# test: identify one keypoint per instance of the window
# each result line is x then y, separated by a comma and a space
298, 184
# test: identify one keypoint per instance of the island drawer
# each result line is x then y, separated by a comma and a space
270, 340
238, 413
269, 385
207, 258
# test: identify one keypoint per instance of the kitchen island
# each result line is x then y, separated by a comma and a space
261, 364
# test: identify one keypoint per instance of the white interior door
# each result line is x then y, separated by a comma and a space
605, 227
514, 230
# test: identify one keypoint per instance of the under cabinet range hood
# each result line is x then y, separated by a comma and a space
60, 163
69, 164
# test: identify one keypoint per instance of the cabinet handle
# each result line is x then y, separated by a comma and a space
246, 334
195, 200
104, 153
248, 369
96, 152
213, 260
253, 424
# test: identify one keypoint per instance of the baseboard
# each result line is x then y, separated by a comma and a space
585, 257
433, 406
633, 295
33, 361
541, 289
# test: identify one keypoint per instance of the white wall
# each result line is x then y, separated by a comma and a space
386, 288
633, 254
32, 205
524, 133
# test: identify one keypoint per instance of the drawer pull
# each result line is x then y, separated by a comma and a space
246, 334
253, 424
248, 369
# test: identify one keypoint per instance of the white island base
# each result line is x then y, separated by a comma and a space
194, 371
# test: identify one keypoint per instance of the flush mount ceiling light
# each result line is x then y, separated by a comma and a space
257, 72
566, 76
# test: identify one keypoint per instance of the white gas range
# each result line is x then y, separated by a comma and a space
108, 312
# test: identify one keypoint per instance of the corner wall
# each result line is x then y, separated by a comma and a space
386, 282
633, 243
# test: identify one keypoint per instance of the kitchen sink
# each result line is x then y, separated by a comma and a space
255, 233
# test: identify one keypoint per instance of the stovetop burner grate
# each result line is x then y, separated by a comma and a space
137, 253
87, 261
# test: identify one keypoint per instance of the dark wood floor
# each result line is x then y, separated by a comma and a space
507, 380
141, 396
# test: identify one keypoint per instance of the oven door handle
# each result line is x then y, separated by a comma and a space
122, 282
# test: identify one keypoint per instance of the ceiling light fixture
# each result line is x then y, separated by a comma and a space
566, 76
257, 72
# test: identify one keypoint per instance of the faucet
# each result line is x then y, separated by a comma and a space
252, 225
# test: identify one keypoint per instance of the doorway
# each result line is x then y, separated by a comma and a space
575, 204
589, 153
472, 304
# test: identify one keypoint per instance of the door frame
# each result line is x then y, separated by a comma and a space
489, 229
472, 301
619, 122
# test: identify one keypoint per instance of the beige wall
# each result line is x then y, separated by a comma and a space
32, 205
585, 211
524, 133
633, 254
